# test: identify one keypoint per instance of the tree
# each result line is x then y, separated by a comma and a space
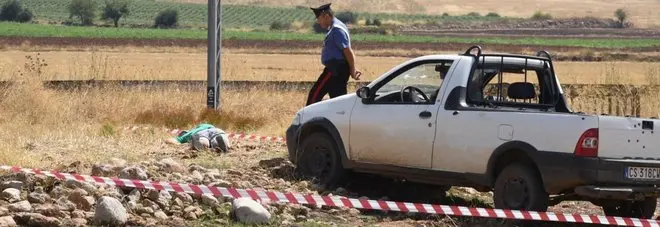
167, 18
621, 16
83, 9
12, 10
115, 10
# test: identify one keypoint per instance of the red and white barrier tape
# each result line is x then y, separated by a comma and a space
337, 201
241, 136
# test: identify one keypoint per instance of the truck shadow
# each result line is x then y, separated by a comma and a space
374, 187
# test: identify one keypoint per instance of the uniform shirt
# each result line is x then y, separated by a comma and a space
188, 135
336, 40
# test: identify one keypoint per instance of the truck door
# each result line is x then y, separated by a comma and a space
398, 126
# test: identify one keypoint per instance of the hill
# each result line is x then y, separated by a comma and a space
640, 11
258, 16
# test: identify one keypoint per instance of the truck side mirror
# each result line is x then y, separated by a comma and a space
363, 92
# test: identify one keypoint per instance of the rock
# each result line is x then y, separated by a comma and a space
78, 214
354, 212
221, 184
190, 216
41, 220
103, 170
149, 203
172, 166
133, 173
197, 177
209, 200
160, 215
176, 221
185, 197
11, 195
249, 211
145, 210
134, 195
11, 184
65, 205
75, 222
38, 198
22, 206
196, 167
81, 200
50, 210
4, 211
118, 163
110, 211
58, 192
6, 221
161, 198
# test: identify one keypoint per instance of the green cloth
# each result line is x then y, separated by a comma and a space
185, 137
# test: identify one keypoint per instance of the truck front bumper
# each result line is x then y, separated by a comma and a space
599, 178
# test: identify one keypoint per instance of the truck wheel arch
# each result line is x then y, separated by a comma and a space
321, 124
513, 151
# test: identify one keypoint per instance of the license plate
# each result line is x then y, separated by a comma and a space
643, 173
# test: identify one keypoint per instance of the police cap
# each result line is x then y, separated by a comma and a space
321, 9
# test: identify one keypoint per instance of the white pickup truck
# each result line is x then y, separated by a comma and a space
494, 122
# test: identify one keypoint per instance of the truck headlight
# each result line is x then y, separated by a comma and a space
297, 119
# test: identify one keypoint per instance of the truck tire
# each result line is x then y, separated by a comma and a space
320, 160
633, 209
518, 187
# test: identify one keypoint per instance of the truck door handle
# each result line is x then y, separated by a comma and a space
455, 113
425, 114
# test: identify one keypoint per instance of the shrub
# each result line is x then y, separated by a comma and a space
473, 14
278, 25
492, 14
167, 18
538, 15
347, 17
621, 16
12, 10
377, 22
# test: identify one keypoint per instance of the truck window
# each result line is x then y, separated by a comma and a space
427, 76
513, 82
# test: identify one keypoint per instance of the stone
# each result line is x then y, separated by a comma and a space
184, 197
145, 210
134, 195
160, 215
249, 211
209, 200
50, 210
66, 205
109, 211
133, 173
103, 170
172, 166
11, 195
7, 221
58, 192
78, 214
11, 184
22, 206
38, 198
41, 220
81, 200
4, 211
161, 198
75, 222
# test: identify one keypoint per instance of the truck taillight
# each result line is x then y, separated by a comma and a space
587, 145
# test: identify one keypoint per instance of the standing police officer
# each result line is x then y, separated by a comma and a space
337, 57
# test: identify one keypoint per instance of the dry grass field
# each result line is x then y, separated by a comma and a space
74, 130
190, 64
642, 13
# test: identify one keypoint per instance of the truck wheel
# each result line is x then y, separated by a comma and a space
319, 160
632, 209
518, 188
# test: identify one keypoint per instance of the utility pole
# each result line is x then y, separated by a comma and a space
214, 53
